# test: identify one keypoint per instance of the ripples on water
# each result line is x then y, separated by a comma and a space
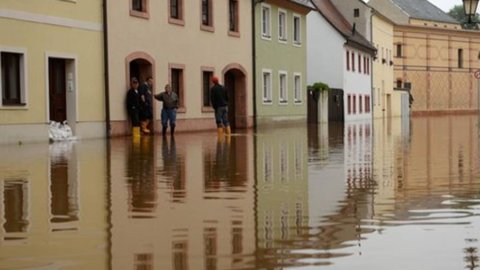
381, 195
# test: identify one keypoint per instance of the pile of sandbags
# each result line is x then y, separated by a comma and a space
60, 131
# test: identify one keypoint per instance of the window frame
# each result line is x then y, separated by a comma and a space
348, 60
22, 80
144, 13
236, 18
180, 20
460, 58
297, 100
297, 42
266, 25
210, 13
284, 74
205, 69
283, 35
181, 89
267, 98
399, 50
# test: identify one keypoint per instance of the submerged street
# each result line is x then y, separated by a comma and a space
399, 194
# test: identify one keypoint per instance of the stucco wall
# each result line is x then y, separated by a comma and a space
389, 10
363, 21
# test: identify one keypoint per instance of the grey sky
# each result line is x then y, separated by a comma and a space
445, 5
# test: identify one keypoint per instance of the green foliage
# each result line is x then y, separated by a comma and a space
319, 86
458, 13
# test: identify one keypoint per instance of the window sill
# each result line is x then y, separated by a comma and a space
234, 34
20, 106
207, 110
181, 110
283, 102
297, 44
174, 21
207, 28
267, 102
140, 14
298, 102
266, 37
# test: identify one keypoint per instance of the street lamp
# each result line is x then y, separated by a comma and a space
470, 7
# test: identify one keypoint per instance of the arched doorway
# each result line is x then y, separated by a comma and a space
141, 65
235, 81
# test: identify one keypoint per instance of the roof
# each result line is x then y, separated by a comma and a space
336, 19
305, 3
424, 10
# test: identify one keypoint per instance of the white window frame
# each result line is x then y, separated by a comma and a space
267, 89
23, 79
284, 87
297, 99
282, 35
266, 25
297, 42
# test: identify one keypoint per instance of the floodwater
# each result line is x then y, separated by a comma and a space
399, 194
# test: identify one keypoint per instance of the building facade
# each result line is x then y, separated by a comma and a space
183, 47
280, 60
435, 55
52, 69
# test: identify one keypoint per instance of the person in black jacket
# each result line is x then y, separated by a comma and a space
146, 110
133, 107
219, 100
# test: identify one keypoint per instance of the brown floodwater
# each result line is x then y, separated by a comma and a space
398, 194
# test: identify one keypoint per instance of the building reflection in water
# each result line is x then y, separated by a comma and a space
204, 202
53, 196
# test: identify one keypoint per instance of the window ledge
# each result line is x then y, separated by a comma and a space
267, 102
181, 110
140, 14
21, 106
298, 102
266, 37
283, 102
234, 34
179, 22
207, 110
207, 28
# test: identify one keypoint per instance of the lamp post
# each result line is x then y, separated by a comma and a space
470, 7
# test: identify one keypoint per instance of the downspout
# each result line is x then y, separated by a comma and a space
254, 66
106, 72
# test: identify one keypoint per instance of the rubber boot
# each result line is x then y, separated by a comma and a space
136, 135
228, 131
144, 127
172, 131
164, 131
220, 131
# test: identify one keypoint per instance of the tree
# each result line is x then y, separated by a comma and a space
458, 13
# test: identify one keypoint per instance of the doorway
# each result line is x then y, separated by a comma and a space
235, 83
57, 89
141, 69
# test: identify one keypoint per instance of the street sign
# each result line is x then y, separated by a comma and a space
477, 74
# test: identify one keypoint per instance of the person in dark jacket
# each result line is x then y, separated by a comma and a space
169, 109
219, 100
146, 110
133, 107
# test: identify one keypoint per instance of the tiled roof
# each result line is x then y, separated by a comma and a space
336, 19
424, 10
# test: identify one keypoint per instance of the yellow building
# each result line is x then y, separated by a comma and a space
386, 101
433, 53
51, 68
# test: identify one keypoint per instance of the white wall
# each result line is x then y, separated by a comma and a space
357, 83
324, 51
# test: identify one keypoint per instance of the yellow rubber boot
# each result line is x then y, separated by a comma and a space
136, 132
228, 131
220, 132
144, 127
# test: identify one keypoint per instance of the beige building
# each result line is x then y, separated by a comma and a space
183, 46
433, 53
52, 68
386, 101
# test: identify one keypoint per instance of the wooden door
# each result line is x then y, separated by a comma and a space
57, 90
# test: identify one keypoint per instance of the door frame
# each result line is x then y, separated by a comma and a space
71, 95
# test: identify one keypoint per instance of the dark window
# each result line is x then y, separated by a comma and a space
207, 77
399, 83
353, 61
177, 84
399, 50
233, 15
206, 12
175, 9
367, 104
349, 111
11, 78
137, 5
348, 60
356, 13
460, 58
359, 63
354, 104
296, 30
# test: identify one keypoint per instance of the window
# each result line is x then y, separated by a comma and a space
348, 60
297, 28
368, 65
138, 8
12, 84
177, 83
282, 25
206, 85
399, 50
356, 13
176, 12
282, 85
353, 61
349, 110
359, 63
354, 104
367, 104
207, 13
267, 86
360, 104
399, 83
180, 255
266, 21
297, 84
233, 16
460, 58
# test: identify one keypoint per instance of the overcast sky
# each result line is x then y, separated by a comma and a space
445, 5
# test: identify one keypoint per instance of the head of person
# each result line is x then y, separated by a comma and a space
215, 80
168, 88
134, 83
150, 80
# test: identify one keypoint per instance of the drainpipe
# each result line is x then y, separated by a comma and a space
254, 63
105, 63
